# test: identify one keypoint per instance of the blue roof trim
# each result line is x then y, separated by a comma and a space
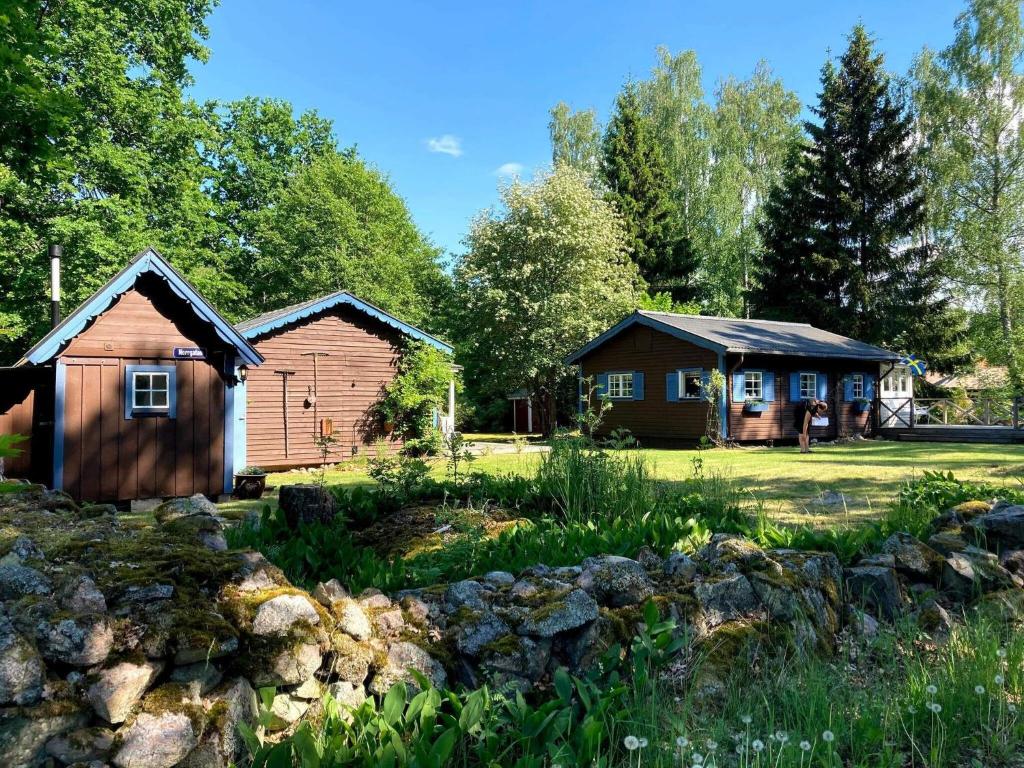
638, 319
147, 261
344, 297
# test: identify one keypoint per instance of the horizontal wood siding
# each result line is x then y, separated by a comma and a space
110, 458
362, 358
777, 423
639, 348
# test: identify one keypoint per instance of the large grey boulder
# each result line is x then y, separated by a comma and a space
81, 641
279, 614
351, 619
222, 745
290, 665
155, 741
402, 657
680, 565
285, 710
726, 599
973, 572
477, 630
81, 746
116, 689
466, 594
17, 581
912, 558
81, 595
560, 614
175, 509
876, 588
615, 581
22, 672
1002, 527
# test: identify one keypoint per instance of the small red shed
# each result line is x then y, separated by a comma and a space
133, 394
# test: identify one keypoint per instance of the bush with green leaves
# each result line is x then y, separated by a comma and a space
418, 391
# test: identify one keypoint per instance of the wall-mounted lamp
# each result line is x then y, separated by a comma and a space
243, 373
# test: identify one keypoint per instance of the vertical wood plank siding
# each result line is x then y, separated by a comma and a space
108, 457
657, 354
362, 358
16, 414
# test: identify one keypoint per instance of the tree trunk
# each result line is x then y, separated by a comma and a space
1006, 326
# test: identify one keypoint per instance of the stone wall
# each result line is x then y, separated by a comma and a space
132, 644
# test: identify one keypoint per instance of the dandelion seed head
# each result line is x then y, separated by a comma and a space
631, 743
1000, 679
980, 690
912, 709
931, 690
805, 745
711, 744
781, 736
643, 743
746, 719
682, 742
935, 707
828, 737
697, 758
1001, 653
1011, 708
757, 745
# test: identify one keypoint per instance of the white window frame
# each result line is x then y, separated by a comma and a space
620, 386
753, 385
151, 390
812, 378
857, 386
692, 372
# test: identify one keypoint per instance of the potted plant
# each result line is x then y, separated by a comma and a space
861, 405
250, 483
755, 406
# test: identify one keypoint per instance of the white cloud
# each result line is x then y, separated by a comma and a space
446, 145
509, 169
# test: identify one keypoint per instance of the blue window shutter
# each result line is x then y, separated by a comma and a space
869, 386
848, 388
768, 386
822, 386
794, 388
601, 390
672, 386
638, 385
739, 390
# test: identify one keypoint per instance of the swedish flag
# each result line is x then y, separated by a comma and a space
917, 366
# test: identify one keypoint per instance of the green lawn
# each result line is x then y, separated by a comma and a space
867, 473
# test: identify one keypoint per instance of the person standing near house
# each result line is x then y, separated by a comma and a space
805, 412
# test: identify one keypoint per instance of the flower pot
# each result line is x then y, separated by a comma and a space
755, 407
861, 406
250, 486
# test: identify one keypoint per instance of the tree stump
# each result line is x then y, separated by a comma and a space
306, 503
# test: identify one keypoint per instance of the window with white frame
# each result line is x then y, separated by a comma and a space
690, 385
753, 385
620, 385
903, 382
857, 385
808, 386
150, 390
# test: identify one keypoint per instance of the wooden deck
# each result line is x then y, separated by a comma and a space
926, 433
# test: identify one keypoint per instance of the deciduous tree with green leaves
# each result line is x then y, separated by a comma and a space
542, 275
970, 99
575, 138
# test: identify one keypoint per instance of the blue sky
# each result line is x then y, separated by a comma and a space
441, 95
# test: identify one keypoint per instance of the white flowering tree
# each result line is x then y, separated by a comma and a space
542, 275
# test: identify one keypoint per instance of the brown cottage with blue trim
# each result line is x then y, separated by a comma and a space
133, 395
654, 367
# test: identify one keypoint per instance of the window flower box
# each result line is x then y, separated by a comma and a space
755, 406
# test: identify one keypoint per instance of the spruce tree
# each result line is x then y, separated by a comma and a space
854, 226
636, 176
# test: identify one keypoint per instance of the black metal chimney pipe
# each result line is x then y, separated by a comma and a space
55, 253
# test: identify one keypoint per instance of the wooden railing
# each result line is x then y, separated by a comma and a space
981, 412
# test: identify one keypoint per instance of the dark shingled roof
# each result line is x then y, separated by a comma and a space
730, 334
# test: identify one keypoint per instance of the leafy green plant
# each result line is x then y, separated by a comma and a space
457, 453
418, 391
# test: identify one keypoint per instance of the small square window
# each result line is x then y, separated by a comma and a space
620, 385
857, 383
149, 390
690, 385
808, 386
753, 385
